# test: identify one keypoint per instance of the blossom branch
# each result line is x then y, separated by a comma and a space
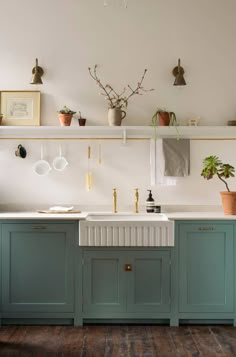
139, 87
95, 77
115, 99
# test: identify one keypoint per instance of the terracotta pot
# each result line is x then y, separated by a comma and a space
115, 116
82, 121
229, 202
65, 119
164, 118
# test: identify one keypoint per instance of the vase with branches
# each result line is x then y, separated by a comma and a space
117, 101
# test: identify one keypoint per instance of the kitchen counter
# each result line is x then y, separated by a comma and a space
44, 216
83, 215
200, 216
48, 275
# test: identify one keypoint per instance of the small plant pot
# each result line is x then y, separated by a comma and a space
65, 119
1, 120
229, 202
82, 121
164, 118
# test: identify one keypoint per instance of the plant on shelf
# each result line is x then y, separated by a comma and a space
162, 117
117, 102
212, 166
65, 116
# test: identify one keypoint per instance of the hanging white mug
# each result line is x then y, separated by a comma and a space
60, 162
42, 167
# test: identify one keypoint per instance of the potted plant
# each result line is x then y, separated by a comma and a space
213, 166
164, 118
65, 116
82, 121
117, 102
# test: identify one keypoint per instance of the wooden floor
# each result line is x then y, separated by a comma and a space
117, 341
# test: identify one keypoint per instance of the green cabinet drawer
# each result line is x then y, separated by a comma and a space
206, 265
38, 267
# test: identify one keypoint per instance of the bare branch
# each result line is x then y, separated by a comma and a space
115, 99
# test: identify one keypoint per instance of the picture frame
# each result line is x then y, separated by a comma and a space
20, 107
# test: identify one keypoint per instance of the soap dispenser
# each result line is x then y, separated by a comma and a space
150, 203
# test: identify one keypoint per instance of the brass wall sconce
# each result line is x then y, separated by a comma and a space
178, 72
37, 74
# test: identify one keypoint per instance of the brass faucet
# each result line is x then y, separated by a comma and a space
114, 200
136, 198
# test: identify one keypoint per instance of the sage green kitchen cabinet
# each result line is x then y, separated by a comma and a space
126, 283
206, 268
38, 268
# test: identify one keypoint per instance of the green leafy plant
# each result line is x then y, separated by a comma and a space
213, 166
66, 110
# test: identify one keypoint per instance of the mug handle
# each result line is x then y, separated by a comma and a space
123, 113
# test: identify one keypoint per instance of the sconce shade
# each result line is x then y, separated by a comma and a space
37, 74
178, 72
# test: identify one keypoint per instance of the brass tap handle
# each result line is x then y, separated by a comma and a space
114, 200
136, 199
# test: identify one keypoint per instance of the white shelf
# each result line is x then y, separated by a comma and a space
57, 132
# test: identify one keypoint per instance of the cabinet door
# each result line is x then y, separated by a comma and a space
149, 281
103, 281
37, 267
206, 267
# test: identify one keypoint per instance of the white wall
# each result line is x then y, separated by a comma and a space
67, 36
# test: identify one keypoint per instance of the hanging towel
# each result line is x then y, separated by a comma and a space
176, 157
157, 165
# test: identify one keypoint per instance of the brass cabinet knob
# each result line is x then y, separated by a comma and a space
128, 267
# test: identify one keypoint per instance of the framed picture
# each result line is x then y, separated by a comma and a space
20, 107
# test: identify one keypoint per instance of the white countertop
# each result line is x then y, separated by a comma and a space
200, 216
37, 215
83, 215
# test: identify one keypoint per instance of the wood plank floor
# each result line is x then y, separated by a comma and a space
117, 341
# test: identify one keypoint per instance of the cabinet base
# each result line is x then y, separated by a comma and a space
22, 321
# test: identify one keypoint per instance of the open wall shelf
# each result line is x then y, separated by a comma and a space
117, 132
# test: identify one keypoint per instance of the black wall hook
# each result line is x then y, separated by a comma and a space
21, 151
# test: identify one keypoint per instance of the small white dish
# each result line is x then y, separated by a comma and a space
61, 208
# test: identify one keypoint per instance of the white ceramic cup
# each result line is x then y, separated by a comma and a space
60, 162
42, 167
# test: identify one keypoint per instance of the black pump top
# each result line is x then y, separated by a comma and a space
150, 198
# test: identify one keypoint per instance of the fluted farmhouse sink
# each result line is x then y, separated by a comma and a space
127, 217
126, 230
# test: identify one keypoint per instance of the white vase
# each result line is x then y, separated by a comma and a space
115, 116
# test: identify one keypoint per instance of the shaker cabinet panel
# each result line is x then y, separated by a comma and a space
206, 266
103, 282
37, 265
149, 282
